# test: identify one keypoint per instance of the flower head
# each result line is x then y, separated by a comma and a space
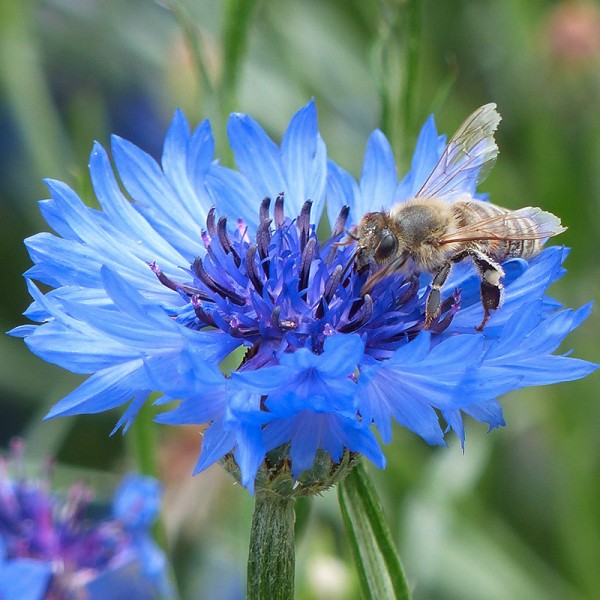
52, 549
152, 293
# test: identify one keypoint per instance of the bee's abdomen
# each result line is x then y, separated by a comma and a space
500, 249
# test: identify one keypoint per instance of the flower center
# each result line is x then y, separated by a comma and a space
286, 290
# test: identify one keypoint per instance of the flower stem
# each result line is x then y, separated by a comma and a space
271, 558
395, 63
191, 34
237, 17
143, 449
378, 565
409, 91
27, 95
143, 440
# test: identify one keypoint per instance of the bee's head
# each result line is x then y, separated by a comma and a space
375, 240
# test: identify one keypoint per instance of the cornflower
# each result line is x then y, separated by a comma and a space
51, 548
188, 262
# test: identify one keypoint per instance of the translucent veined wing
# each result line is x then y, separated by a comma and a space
529, 223
468, 157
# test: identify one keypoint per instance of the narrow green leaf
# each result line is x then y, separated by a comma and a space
26, 94
413, 51
193, 38
379, 568
237, 19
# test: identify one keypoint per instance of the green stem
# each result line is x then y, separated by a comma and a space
380, 65
378, 565
143, 442
193, 41
271, 560
221, 94
409, 90
237, 17
143, 448
143, 436
24, 84
395, 63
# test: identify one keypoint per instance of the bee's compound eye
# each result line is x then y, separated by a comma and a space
387, 246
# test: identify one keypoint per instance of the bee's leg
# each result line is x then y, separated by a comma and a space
434, 299
491, 286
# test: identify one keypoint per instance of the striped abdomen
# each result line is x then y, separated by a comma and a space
512, 239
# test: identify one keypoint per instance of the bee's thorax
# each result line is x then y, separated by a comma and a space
418, 223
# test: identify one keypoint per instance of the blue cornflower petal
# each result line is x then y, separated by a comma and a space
217, 441
228, 188
342, 190
25, 579
298, 170
304, 156
249, 141
58, 342
489, 412
378, 178
308, 380
308, 431
249, 453
531, 359
415, 381
185, 177
380, 400
51, 546
237, 431
142, 238
136, 502
428, 150
104, 390
144, 181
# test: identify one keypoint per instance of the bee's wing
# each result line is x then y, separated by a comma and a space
468, 157
529, 223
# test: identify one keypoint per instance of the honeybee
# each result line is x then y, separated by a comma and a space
441, 225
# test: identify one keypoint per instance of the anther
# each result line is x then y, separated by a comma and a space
225, 241
278, 213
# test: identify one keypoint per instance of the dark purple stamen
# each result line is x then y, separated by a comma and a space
334, 283
307, 259
263, 239
210, 222
225, 241
362, 311
263, 212
303, 224
177, 287
202, 315
284, 290
210, 283
163, 278
252, 269
412, 287
278, 213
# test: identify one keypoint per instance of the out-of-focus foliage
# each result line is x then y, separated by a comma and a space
516, 515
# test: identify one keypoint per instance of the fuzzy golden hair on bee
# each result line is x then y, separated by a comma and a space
443, 224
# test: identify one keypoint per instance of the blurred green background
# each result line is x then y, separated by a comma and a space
518, 514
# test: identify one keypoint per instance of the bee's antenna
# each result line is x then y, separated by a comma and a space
352, 237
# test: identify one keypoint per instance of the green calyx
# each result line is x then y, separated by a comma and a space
275, 475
